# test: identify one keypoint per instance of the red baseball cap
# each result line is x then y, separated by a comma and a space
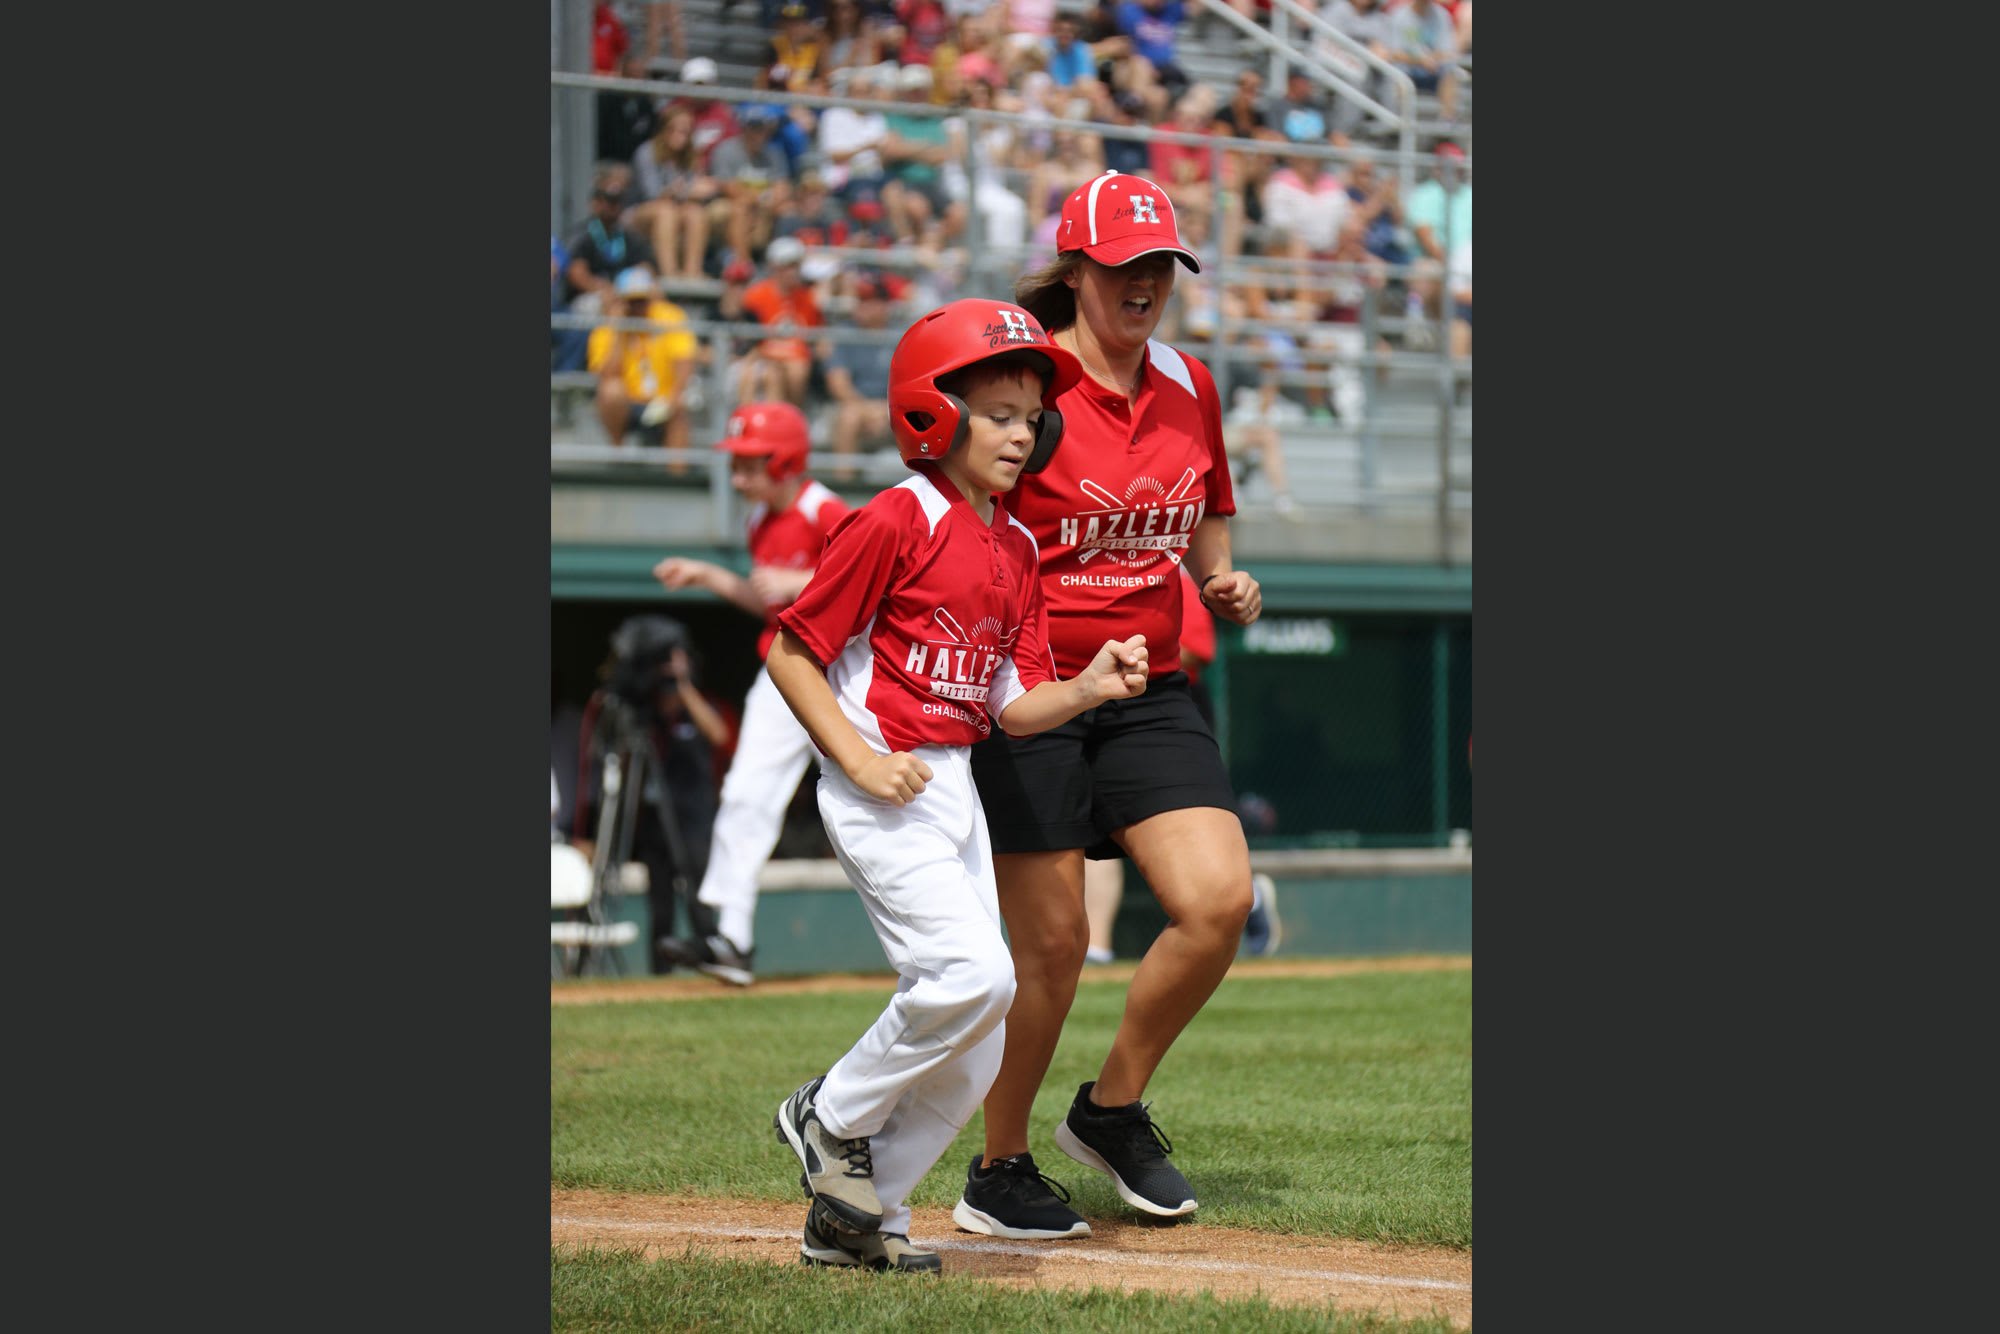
1115, 218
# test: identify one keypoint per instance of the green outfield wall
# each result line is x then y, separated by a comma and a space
1331, 904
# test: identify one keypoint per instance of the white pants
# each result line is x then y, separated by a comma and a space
925, 874
772, 751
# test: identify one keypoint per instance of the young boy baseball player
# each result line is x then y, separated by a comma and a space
789, 519
924, 619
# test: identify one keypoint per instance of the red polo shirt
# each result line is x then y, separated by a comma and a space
926, 618
791, 539
1113, 511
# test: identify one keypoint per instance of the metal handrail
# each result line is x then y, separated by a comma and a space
1405, 86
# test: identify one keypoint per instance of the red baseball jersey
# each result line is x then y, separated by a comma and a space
792, 539
1114, 510
927, 619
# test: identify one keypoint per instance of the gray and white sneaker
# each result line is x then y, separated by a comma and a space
720, 958
824, 1244
839, 1173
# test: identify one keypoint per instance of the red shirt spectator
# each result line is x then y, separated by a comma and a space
925, 28
608, 39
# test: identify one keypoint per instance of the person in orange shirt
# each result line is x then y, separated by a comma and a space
780, 367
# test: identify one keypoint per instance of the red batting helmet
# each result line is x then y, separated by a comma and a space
929, 423
776, 430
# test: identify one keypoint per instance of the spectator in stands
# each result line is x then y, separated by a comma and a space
1300, 115
1293, 342
1307, 203
604, 247
677, 195
1241, 116
643, 377
850, 43
1184, 169
1070, 61
811, 214
1125, 109
1003, 216
793, 55
1372, 198
626, 120
663, 17
784, 300
1426, 215
1245, 176
714, 121
755, 176
566, 346
914, 154
1154, 28
1423, 43
850, 140
924, 25
1367, 23
1097, 28
971, 53
608, 39
857, 376
1341, 312
736, 352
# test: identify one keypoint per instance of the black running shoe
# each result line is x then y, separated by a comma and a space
1125, 1145
1013, 1199
720, 958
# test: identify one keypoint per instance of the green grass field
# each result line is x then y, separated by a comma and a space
1320, 1107
1337, 1107
607, 1290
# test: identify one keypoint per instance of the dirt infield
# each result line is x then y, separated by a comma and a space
598, 991
1187, 1257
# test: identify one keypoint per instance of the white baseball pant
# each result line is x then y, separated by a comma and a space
925, 874
772, 751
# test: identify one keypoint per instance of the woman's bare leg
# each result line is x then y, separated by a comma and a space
1198, 866
1041, 900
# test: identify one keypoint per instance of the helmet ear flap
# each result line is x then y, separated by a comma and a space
1048, 434
961, 432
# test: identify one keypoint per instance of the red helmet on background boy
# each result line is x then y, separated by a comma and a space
773, 429
929, 422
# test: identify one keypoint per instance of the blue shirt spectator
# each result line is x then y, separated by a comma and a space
1068, 62
1152, 28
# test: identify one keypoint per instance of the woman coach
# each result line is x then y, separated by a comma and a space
1139, 485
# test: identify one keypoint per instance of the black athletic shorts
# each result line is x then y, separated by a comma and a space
1106, 768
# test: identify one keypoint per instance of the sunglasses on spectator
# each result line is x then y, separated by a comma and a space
609, 196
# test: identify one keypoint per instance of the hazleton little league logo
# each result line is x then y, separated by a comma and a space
1149, 522
961, 665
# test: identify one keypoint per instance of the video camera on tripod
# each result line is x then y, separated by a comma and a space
622, 743
642, 651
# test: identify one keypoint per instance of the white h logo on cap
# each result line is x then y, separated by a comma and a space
1142, 209
1017, 326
